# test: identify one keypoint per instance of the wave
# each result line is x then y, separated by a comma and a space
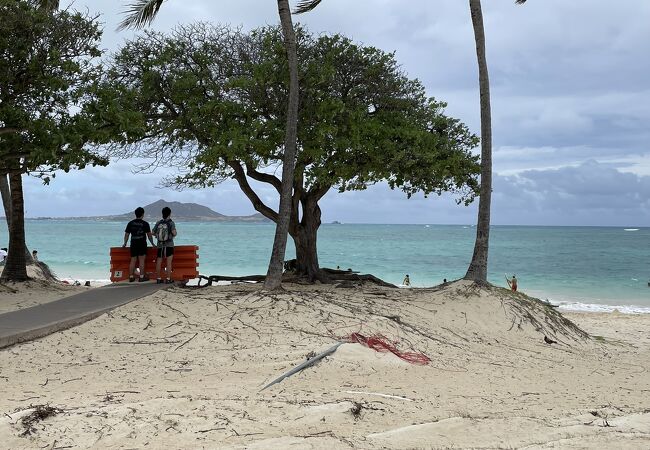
82, 280
592, 307
630, 229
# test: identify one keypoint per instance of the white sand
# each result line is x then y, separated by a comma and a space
183, 369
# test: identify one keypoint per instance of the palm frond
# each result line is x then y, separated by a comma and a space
520, 2
306, 6
140, 13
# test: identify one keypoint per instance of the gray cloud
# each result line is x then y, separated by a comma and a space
570, 95
573, 196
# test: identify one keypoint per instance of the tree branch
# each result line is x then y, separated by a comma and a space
319, 191
264, 177
258, 204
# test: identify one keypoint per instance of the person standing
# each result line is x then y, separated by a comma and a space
165, 231
139, 230
512, 283
406, 281
3, 254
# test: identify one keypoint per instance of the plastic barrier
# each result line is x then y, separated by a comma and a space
184, 265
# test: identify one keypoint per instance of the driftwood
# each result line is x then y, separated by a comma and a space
304, 365
216, 278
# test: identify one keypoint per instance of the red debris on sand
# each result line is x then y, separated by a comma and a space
382, 344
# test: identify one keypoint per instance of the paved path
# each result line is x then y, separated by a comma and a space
38, 321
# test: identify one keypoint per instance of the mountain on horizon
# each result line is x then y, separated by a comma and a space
180, 212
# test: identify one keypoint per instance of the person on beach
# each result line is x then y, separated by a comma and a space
139, 230
512, 283
35, 255
165, 231
3, 253
407, 281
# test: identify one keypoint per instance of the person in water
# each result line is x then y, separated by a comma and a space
512, 283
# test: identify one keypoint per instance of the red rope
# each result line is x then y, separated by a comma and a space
382, 344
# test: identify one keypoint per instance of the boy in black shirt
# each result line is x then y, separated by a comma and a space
139, 230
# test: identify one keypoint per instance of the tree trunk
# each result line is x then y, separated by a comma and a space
274, 274
305, 239
6, 198
5, 192
15, 265
477, 270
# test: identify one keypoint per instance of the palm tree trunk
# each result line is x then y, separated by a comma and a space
274, 274
477, 270
16, 265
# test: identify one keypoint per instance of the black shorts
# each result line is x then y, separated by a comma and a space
166, 251
138, 247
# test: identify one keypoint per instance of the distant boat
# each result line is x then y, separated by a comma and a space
630, 229
336, 222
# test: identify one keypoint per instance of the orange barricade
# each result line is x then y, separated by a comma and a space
184, 265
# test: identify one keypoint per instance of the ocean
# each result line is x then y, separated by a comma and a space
582, 268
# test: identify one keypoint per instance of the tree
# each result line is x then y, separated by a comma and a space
276, 265
46, 72
477, 270
5, 193
211, 101
143, 12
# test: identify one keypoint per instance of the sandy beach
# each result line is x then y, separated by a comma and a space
184, 368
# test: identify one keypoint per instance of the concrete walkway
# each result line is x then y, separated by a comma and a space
38, 321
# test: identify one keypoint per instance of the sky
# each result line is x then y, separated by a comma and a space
570, 88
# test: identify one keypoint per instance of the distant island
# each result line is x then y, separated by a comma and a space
181, 212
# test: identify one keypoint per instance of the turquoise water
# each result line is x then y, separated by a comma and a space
576, 265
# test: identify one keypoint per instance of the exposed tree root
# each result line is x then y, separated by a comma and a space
523, 309
325, 276
48, 274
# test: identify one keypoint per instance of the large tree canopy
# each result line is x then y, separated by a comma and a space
48, 65
45, 77
212, 101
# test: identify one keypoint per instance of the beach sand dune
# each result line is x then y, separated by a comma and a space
184, 369
38, 290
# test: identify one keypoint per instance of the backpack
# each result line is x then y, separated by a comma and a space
164, 231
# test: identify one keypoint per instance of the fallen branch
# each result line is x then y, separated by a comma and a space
177, 310
309, 362
195, 335
380, 395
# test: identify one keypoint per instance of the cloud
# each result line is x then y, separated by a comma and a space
573, 196
570, 107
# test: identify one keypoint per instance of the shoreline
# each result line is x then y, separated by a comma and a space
564, 304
